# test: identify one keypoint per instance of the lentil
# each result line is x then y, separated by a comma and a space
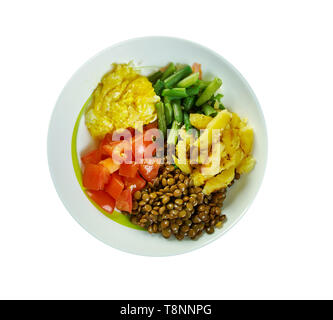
172, 205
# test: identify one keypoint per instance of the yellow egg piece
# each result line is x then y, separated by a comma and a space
122, 99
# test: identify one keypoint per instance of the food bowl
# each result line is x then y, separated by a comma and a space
68, 139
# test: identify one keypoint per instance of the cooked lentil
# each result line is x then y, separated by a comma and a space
172, 205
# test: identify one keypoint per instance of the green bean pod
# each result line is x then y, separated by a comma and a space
177, 111
209, 110
188, 103
173, 134
168, 113
221, 106
175, 93
172, 80
209, 91
161, 117
158, 86
203, 84
171, 69
187, 122
155, 76
189, 81
193, 91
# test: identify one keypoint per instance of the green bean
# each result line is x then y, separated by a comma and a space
209, 110
187, 121
172, 98
177, 111
175, 93
166, 100
189, 81
155, 76
169, 99
193, 91
169, 71
161, 117
189, 103
209, 91
218, 97
172, 80
221, 106
214, 101
158, 86
203, 84
216, 104
168, 113
173, 134
217, 100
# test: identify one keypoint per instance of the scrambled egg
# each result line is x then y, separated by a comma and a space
219, 159
122, 99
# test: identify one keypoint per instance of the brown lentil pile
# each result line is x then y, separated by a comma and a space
172, 205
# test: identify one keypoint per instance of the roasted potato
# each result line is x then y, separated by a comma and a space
199, 121
222, 180
219, 153
219, 122
246, 165
246, 139
185, 167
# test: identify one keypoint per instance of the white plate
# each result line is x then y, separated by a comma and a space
148, 51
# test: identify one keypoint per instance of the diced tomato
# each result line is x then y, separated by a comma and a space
196, 67
152, 125
135, 184
115, 186
153, 135
95, 176
107, 148
139, 146
122, 135
132, 131
93, 157
124, 201
110, 164
128, 170
106, 141
102, 199
149, 169
152, 149
119, 151
145, 148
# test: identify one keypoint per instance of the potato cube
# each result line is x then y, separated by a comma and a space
198, 178
183, 166
246, 139
199, 121
246, 165
220, 181
235, 120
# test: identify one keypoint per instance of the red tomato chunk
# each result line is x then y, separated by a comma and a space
111, 165
115, 186
103, 200
95, 177
124, 202
149, 171
93, 157
135, 184
120, 151
128, 170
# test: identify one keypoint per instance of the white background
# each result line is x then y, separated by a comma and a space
282, 248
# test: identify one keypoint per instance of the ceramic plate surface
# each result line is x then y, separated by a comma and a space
68, 139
